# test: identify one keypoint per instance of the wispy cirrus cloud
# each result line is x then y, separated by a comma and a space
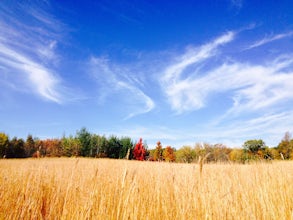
183, 93
251, 86
255, 96
119, 82
38, 77
269, 39
28, 41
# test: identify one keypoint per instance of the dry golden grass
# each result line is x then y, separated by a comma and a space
118, 189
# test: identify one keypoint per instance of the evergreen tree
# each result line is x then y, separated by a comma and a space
30, 146
126, 146
84, 138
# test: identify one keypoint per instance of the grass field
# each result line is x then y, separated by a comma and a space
77, 188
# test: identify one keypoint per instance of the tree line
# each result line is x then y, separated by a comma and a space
252, 150
83, 144
86, 144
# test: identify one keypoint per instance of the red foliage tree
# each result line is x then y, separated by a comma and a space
139, 151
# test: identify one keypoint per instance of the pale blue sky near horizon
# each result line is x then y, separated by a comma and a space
180, 72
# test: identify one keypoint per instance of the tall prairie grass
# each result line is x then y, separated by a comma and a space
78, 188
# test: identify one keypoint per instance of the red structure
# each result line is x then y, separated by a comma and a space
139, 151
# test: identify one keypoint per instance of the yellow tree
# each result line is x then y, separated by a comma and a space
4, 142
158, 154
285, 147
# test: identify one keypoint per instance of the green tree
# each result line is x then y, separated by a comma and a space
103, 147
95, 145
30, 146
254, 146
16, 148
127, 145
255, 150
66, 146
84, 138
114, 147
4, 143
70, 146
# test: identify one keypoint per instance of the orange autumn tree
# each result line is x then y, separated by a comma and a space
139, 151
169, 154
50, 147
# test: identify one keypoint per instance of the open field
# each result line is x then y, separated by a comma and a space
77, 188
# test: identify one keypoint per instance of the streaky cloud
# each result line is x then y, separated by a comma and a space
179, 91
108, 75
270, 39
27, 50
252, 86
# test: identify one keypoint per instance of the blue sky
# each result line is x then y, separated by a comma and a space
179, 72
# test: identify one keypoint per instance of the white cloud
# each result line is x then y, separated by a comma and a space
270, 39
27, 50
196, 55
180, 91
257, 87
251, 86
41, 79
255, 97
114, 78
